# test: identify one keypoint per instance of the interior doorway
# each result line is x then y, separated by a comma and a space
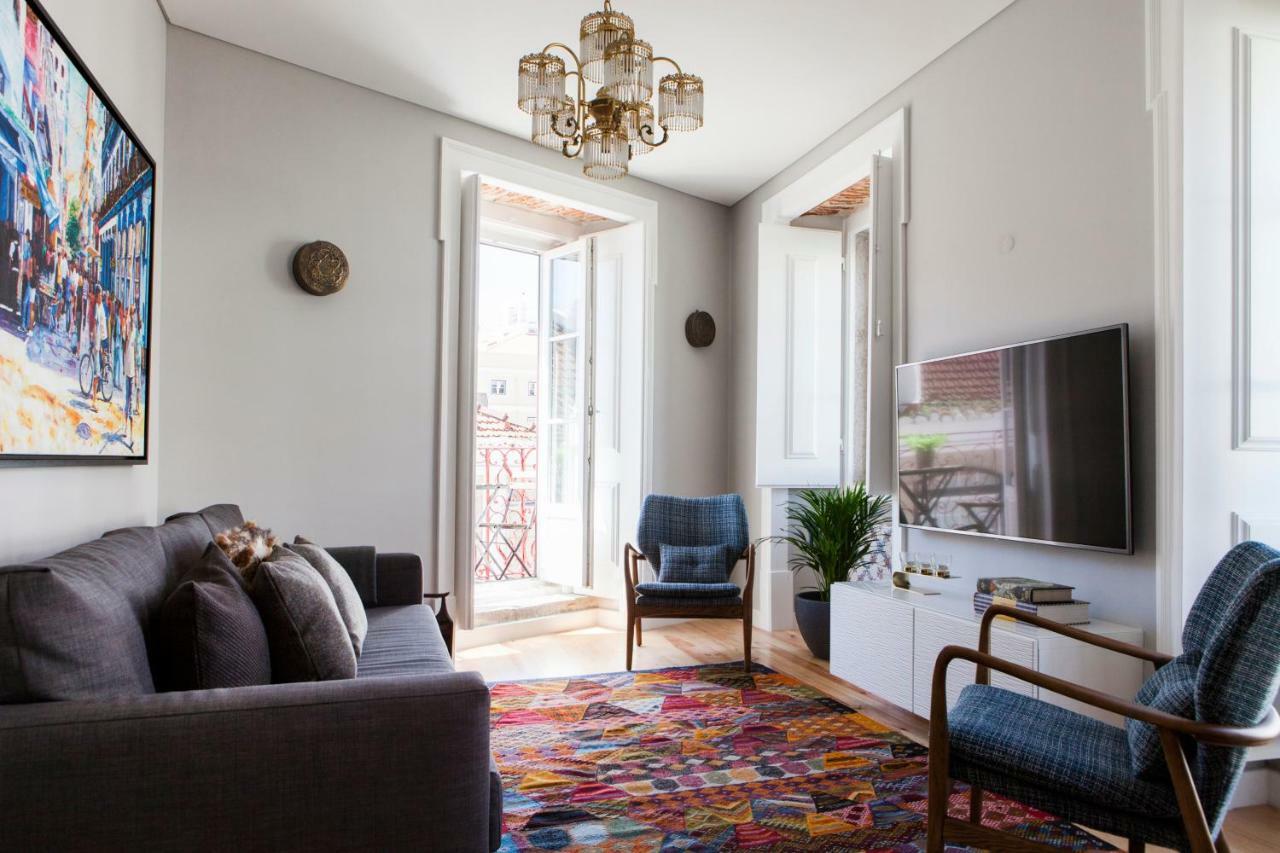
551, 283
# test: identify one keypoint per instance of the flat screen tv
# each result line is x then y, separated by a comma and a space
1027, 442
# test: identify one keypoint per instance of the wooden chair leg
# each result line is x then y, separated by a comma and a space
975, 804
746, 643
1184, 789
639, 633
631, 637
1137, 845
1220, 843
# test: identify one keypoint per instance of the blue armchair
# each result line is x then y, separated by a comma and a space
1168, 776
701, 540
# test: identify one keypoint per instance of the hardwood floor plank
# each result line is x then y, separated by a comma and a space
591, 650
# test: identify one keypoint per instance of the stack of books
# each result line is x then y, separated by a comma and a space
1048, 600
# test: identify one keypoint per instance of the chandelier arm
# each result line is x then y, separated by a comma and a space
568, 143
668, 59
666, 135
566, 49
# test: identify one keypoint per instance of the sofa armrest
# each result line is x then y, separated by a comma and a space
399, 579
374, 763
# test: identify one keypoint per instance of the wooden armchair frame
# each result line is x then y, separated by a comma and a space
697, 608
1173, 730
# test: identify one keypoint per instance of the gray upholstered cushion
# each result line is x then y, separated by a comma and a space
209, 631
403, 641
73, 626
307, 636
344, 591
695, 564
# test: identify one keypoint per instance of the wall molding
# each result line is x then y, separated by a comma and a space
1243, 437
1164, 102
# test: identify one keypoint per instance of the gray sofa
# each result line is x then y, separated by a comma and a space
396, 758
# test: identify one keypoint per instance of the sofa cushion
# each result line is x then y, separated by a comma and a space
209, 631
217, 517
695, 564
307, 636
73, 626
344, 591
403, 641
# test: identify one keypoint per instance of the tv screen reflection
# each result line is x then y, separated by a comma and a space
1027, 442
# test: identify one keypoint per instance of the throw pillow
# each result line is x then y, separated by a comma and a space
693, 563
247, 546
305, 631
344, 591
1173, 690
209, 630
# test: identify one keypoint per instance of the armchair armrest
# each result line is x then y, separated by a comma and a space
368, 763
984, 636
1212, 733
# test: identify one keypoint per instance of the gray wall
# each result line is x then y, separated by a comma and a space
1035, 125
318, 415
44, 507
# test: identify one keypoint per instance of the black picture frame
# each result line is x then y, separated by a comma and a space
116, 116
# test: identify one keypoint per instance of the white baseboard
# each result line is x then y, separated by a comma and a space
1260, 786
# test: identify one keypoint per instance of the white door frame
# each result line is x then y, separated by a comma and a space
1164, 102
459, 160
773, 609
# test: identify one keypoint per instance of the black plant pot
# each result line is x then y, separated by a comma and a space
813, 615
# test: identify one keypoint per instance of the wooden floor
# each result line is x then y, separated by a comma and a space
593, 650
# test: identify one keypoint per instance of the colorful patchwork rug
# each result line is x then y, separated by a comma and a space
710, 758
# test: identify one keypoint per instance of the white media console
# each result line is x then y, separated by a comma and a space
885, 641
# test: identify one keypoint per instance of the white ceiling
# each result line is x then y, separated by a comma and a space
780, 76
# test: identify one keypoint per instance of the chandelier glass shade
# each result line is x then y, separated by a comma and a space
616, 120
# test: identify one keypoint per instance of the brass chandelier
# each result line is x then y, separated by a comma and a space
618, 123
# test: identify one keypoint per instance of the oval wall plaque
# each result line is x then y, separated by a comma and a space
700, 329
320, 268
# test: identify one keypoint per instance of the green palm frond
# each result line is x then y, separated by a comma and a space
831, 531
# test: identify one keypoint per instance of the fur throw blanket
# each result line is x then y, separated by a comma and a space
246, 546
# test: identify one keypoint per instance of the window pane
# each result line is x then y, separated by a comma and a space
566, 295
564, 378
565, 479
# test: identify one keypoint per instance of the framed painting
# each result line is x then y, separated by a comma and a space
77, 232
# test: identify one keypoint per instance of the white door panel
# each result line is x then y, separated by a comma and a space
617, 373
798, 419
563, 343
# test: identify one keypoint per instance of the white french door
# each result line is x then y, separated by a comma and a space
591, 364
563, 362
617, 379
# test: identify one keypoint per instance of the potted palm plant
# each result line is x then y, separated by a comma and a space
831, 532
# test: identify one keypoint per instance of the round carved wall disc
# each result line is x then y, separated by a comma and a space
320, 268
700, 329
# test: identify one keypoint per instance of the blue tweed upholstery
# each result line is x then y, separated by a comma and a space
1114, 779
670, 520
695, 564
700, 591
1050, 746
1238, 678
676, 603
1172, 690
1165, 831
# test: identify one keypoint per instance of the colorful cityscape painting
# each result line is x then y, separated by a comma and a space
76, 219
